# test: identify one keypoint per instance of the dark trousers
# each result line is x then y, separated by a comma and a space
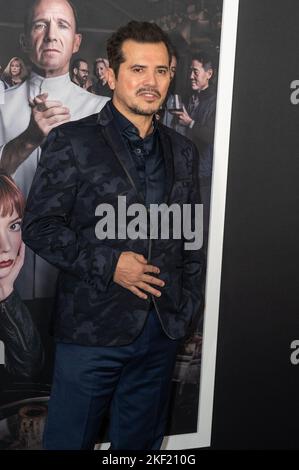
134, 380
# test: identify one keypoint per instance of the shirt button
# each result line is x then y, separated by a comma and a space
138, 151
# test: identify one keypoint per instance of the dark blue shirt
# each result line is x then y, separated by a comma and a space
147, 156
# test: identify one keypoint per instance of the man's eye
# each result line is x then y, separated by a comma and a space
138, 69
63, 25
40, 25
162, 71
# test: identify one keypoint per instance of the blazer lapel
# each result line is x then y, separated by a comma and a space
168, 159
114, 140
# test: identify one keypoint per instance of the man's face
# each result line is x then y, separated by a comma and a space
52, 38
173, 65
199, 76
82, 73
143, 78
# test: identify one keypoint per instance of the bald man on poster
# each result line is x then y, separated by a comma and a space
47, 99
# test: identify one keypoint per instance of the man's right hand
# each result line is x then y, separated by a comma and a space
45, 116
132, 273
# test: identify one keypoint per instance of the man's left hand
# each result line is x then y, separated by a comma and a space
183, 116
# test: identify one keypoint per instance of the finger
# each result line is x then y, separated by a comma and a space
58, 118
40, 98
20, 257
152, 280
141, 258
55, 111
149, 268
148, 288
138, 292
22, 251
46, 105
59, 123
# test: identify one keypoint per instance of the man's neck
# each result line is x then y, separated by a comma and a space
47, 73
144, 124
203, 89
76, 81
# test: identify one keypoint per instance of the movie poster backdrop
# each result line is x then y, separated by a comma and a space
194, 28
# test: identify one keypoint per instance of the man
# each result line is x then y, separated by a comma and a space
199, 122
123, 302
100, 70
45, 100
79, 73
168, 113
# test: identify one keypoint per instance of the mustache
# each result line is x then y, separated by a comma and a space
152, 91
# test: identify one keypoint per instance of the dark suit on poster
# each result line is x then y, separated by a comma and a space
203, 111
84, 164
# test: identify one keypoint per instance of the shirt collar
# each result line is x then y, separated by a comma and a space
204, 93
49, 85
127, 127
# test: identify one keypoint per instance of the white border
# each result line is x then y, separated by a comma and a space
202, 437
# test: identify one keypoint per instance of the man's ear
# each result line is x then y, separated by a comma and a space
77, 42
210, 72
25, 43
111, 78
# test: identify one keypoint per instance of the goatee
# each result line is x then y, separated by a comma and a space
143, 112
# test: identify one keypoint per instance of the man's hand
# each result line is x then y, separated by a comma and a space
183, 117
131, 273
7, 283
45, 116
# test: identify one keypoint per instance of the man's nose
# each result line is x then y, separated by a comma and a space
151, 78
51, 32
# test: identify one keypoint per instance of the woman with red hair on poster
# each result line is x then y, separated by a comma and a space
23, 348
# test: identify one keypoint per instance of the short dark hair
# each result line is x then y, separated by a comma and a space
76, 63
139, 31
205, 59
28, 15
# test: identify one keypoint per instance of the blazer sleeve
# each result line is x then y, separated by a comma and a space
194, 260
47, 228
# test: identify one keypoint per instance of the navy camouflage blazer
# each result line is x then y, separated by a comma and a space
86, 163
